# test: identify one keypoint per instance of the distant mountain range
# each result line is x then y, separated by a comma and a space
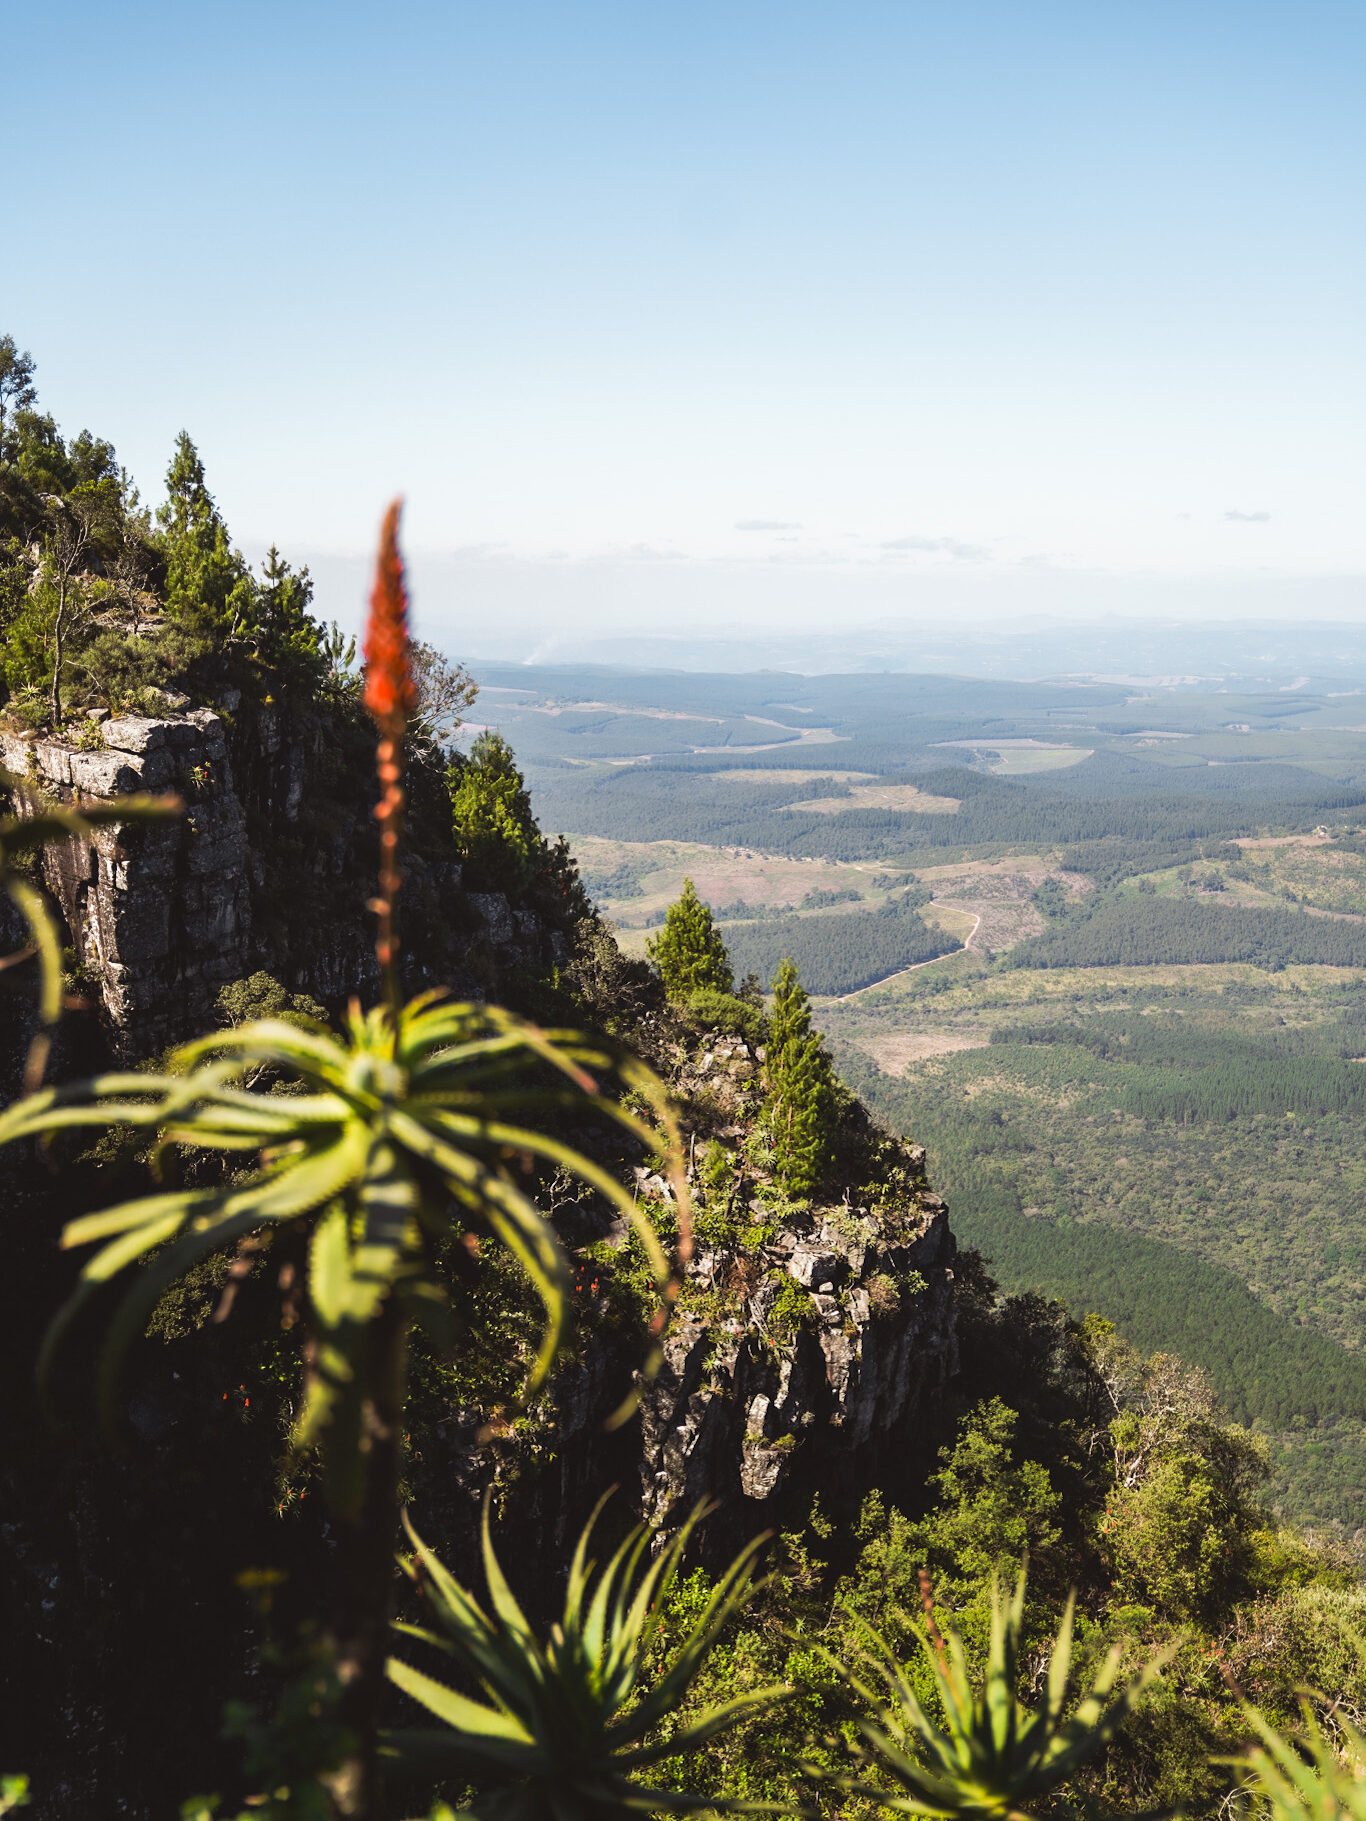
1321, 658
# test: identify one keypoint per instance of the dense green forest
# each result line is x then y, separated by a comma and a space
1142, 932
1265, 1367
1170, 1068
838, 953
1101, 815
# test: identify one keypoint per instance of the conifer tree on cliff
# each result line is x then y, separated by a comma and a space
800, 1107
208, 584
688, 951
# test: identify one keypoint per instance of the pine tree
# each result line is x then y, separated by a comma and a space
495, 832
799, 1111
208, 585
688, 951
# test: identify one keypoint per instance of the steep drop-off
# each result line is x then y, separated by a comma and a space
814, 1347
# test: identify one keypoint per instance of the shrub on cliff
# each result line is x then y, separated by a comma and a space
729, 1013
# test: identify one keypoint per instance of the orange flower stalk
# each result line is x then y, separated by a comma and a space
391, 696
390, 693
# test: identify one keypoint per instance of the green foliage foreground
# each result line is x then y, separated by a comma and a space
424, 1126
398, 1142
992, 1755
570, 1722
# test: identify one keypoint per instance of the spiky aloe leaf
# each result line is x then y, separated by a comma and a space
1308, 1777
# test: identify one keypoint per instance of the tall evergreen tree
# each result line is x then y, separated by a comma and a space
689, 951
495, 831
208, 585
283, 632
799, 1111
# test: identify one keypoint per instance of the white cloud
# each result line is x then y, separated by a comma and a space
938, 546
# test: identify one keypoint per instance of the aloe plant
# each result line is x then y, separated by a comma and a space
571, 1719
411, 1129
992, 1756
38, 825
1308, 1778
405, 1134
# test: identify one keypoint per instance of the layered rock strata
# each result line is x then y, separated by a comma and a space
159, 913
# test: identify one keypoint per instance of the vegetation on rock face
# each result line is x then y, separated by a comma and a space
1057, 1422
689, 951
393, 1146
102, 605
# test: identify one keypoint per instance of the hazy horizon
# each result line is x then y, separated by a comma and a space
743, 314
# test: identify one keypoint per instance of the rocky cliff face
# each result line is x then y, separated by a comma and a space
260, 873
813, 1349
808, 1341
751, 1397
159, 914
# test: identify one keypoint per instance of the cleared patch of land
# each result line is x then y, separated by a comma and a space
1278, 841
1022, 758
1019, 762
879, 796
1000, 922
646, 876
998, 894
1020, 876
893, 1051
954, 919
797, 736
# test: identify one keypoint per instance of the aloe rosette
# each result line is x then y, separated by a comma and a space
1312, 1777
571, 1720
992, 1756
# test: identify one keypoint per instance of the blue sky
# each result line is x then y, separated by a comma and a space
1035, 308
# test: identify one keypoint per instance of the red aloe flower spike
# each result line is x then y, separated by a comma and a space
391, 696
